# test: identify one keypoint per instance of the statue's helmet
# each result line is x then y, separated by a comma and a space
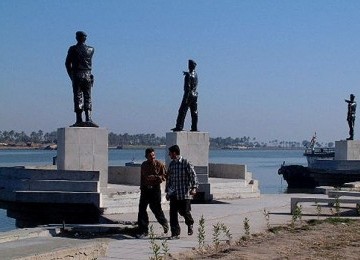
80, 34
192, 63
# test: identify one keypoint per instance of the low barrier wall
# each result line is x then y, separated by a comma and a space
131, 174
229, 171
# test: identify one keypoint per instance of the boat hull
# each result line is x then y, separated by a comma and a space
298, 176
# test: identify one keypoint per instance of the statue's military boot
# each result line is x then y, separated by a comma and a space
79, 121
176, 129
88, 120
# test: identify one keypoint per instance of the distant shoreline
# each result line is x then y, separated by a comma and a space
133, 147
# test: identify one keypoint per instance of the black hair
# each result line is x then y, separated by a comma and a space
148, 151
174, 149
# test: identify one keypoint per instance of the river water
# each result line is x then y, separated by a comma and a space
262, 163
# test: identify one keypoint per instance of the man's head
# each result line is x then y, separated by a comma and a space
191, 65
150, 154
174, 151
352, 97
81, 36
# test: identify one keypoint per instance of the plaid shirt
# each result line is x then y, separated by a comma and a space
181, 178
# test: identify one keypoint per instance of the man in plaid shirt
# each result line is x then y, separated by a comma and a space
181, 185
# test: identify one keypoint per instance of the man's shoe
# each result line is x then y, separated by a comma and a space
190, 230
141, 236
174, 237
176, 129
166, 228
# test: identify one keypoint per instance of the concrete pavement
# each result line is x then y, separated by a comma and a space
231, 213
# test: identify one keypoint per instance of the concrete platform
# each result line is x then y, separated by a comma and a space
120, 199
119, 246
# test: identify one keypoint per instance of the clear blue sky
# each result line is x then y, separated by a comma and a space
267, 69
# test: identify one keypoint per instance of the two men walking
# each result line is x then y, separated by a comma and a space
181, 185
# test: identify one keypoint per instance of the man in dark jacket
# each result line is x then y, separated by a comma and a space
153, 173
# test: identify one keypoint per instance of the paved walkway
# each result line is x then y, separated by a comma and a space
232, 213
229, 212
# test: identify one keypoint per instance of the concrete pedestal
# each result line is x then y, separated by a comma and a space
194, 146
83, 149
347, 150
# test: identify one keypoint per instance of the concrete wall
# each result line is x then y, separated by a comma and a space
229, 171
131, 175
124, 175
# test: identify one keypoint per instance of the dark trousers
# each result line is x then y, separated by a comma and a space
191, 103
351, 124
151, 197
183, 207
82, 94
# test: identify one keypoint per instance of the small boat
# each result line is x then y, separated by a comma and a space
313, 155
322, 170
133, 164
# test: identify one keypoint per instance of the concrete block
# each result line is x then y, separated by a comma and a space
194, 146
58, 197
129, 175
229, 171
203, 193
202, 178
50, 185
84, 149
18, 173
347, 150
201, 170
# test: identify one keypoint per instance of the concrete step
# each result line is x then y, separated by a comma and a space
234, 188
24, 233
42, 248
117, 202
50, 185
56, 197
16, 173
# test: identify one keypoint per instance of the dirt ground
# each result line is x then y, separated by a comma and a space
331, 239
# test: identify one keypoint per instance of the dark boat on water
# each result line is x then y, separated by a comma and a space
322, 170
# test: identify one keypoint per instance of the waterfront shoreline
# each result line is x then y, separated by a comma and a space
135, 147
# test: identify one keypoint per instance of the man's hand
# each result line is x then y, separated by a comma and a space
193, 191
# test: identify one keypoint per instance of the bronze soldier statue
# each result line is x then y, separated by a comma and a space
189, 99
78, 65
351, 115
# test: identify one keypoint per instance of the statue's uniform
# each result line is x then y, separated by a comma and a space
78, 65
189, 101
351, 118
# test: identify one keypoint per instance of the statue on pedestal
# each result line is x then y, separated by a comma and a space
78, 66
351, 116
189, 99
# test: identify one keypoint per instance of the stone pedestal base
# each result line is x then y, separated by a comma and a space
194, 146
83, 149
347, 150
